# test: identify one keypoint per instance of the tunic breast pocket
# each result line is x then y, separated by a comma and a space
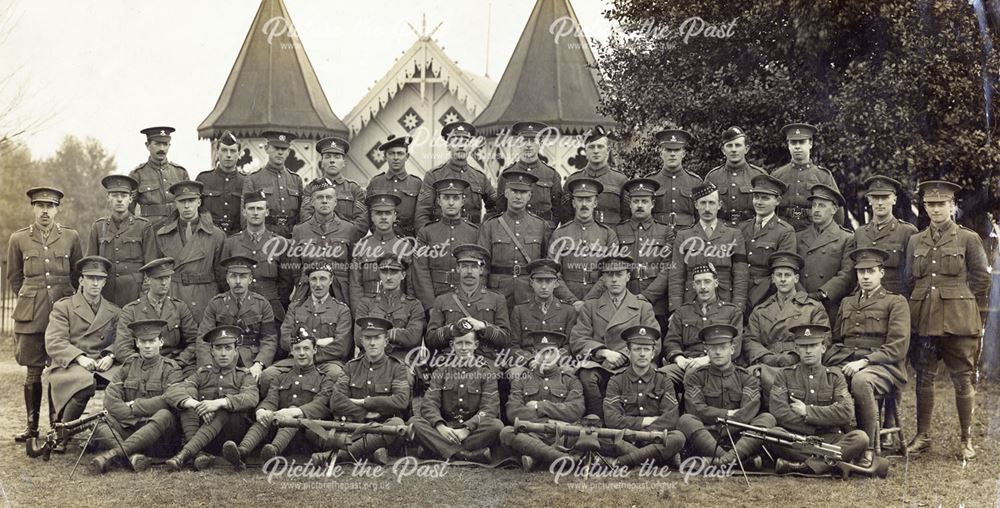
952, 261
875, 322
920, 261
60, 261
543, 194
131, 248
34, 263
485, 312
895, 251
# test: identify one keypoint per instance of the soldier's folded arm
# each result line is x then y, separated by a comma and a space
114, 394
395, 403
614, 408
570, 410
581, 336
750, 401
782, 411
489, 404
430, 410
409, 337
837, 414
268, 336
247, 398
340, 402
516, 408
694, 399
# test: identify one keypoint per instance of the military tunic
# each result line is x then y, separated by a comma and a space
210, 382
406, 315
297, 388
599, 324
531, 317
328, 242
128, 244
507, 274
672, 202
364, 278
284, 196
434, 268
876, 328
460, 396
153, 196
329, 318
196, 279
578, 247
179, 336
767, 339
546, 193
891, 237
828, 267
404, 186
829, 405
74, 329
612, 203
800, 179
382, 384
648, 243
254, 315
725, 250
143, 383
350, 202
687, 322
710, 392
273, 277
484, 305
222, 197
632, 396
776, 235
480, 192
39, 271
735, 191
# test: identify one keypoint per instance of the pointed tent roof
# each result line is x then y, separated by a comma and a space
547, 79
470, 89
272, 85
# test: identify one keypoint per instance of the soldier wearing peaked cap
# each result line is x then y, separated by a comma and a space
382, 240
672, 203
767, 342
814, 400
884, 231
470, 308
546, 199
544, 313
249, 311
871, 352
949, 273
514, 239
40, 262
135, 404
126, 240
78, 339
391, 303
544, 392
800, 175
282, 187
611, 205
579, 243
351, 205
712, 241
195, 244
640, 398
435, 272
733, 178
214, 402
648, 242
765, 234
155, 176
395, 180
597, 335
273, 275
179, 334
824, 245
224, 186
721, 389
459, 135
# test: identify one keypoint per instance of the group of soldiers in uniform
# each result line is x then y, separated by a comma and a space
659, 303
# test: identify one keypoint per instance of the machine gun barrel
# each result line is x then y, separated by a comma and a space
567, 429
352, 427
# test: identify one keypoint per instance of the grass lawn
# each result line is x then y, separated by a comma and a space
934, 480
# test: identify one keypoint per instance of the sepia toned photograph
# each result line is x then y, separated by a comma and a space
500, 253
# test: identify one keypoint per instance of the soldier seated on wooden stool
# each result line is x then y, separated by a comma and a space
459, 418
301, 386
543, 393
374, 388
642, 398
871, 352
721, 389
215, 401
136, 407
814, 400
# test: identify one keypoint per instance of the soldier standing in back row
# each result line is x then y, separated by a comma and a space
124, 239
435, 271
884, 231
398, 182
949, 273
672, 203
800, 175
282, 187
581, 242
350, 196
765, 234
40, 259
612, 204
223, 186
824, 246
733, 179
459, 136
547, 191
156, 176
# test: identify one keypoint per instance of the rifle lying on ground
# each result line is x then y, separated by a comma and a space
323, 427
812, 446
588, 435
